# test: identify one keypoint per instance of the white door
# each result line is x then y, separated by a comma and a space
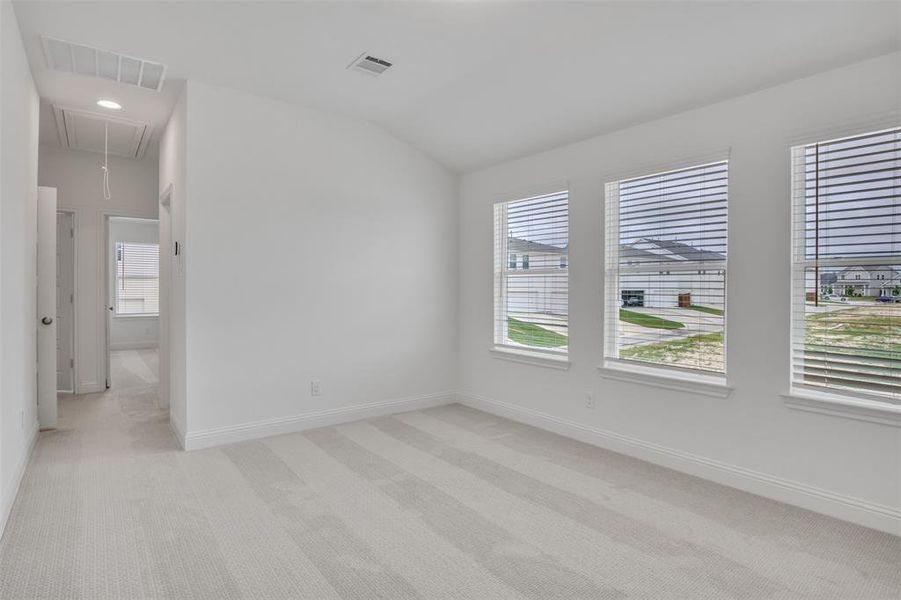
46, 293
65, 302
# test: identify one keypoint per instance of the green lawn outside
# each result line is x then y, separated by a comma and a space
637, 318
708, 309
530, 334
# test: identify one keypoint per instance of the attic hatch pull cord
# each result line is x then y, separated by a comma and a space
106, 192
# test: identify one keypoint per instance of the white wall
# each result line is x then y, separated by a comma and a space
824, 458
316, 248
18, 236
77, 177
129, 332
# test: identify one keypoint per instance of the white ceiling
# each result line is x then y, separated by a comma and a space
474, 83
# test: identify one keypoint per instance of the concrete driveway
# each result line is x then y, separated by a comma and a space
695, 321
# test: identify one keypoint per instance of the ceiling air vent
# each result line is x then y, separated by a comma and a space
94, 62
369, 65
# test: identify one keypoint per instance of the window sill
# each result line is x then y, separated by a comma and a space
146, 316
540, 359
706, 385
848, 407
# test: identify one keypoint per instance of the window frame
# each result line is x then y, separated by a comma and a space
674, 377
843, 402
543, 357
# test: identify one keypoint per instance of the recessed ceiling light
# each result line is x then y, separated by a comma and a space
111, 104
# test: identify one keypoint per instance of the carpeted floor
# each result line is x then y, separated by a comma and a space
443, 503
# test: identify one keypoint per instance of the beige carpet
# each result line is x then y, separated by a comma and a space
444, 503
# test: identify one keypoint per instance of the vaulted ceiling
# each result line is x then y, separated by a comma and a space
474, 83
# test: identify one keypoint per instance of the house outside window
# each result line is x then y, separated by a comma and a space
846, 266
531, 304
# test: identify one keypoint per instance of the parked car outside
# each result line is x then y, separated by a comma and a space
886, 299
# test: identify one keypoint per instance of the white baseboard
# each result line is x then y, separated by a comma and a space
862, 512
16, 481
194, 440
139, 345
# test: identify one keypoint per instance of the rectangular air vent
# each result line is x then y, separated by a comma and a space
83, 130
369, 64
94, 62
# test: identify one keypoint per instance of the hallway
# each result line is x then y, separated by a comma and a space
82, 483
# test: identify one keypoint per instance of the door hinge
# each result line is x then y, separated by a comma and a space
72, 233
71, 363
72, 298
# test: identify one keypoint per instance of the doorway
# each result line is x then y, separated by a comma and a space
133, 298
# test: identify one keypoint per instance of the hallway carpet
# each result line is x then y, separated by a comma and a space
443, 503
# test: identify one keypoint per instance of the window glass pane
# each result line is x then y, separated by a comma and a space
531, 287
852, 328
137, 279
674, 318
851, 191
666, 268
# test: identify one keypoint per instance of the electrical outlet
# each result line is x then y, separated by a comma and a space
315, 389
589, 400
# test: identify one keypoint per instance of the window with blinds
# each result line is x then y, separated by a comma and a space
846, 267
665, 283
531, 283
137, 279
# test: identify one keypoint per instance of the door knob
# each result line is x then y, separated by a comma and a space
46, 320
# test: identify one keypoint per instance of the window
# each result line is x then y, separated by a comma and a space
665, 298
512, 264
846, 266
531, 304
137, 279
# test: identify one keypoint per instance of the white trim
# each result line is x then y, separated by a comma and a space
194, 440
848, 508
847, 407
138, 345
531, 357
15, 482
668, 379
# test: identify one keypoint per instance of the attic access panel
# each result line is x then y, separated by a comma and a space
83, 130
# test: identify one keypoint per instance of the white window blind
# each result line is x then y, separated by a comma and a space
846, 273
137, 279
531, 283
665, 283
